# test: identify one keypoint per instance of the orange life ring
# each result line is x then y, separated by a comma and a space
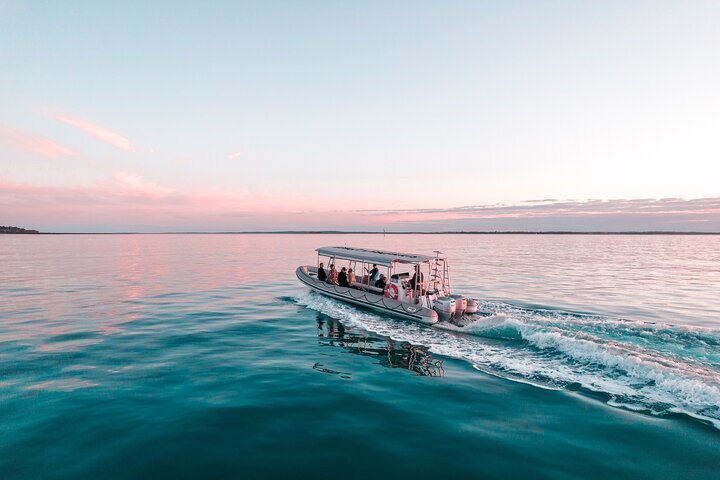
391, 291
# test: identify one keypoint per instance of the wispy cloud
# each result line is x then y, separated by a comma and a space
128, 201
606, 215
33, 143
540, 208
234, 155
129, 183
101, 133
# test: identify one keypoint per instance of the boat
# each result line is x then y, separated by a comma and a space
417, 288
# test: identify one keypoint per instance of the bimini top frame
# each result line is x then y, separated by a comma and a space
379, 257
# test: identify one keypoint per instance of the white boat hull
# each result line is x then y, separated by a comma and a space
365, 299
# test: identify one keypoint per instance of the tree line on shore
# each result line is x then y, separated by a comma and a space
4, 229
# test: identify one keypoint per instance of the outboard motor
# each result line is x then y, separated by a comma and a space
472, 306
445, 308
460, 305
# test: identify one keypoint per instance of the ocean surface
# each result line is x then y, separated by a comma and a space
202, 356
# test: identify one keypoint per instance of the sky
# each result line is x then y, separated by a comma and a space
376, 115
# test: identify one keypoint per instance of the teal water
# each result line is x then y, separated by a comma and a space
201, 356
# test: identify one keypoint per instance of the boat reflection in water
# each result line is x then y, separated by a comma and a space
389, 353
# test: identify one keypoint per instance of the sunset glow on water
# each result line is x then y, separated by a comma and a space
175, 355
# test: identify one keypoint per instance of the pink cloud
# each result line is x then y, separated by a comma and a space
101, 133
33, 143
137, 185
234, 155
128, 202
127, 199
665, 214
549, 208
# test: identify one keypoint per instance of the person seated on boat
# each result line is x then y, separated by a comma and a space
381, 282
332, 275
342, 278
322, 276
374, 273
350, 277
417, 279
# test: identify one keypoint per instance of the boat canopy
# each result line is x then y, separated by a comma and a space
380, 257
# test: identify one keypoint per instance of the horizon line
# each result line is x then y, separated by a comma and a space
374, 232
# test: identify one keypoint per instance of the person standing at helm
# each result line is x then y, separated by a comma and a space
374, 273
417, 280
322, 276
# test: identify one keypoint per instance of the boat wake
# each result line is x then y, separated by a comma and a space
651, 367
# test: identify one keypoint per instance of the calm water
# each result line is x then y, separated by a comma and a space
201, 356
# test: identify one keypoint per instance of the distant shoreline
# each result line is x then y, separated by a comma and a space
338, 232
16, 230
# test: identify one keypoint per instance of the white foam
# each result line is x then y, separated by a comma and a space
555, 350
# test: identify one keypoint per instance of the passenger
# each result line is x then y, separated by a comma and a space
342, 278
350, 277
333, 275
418, 279
322, 276
374, 273
382, 281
